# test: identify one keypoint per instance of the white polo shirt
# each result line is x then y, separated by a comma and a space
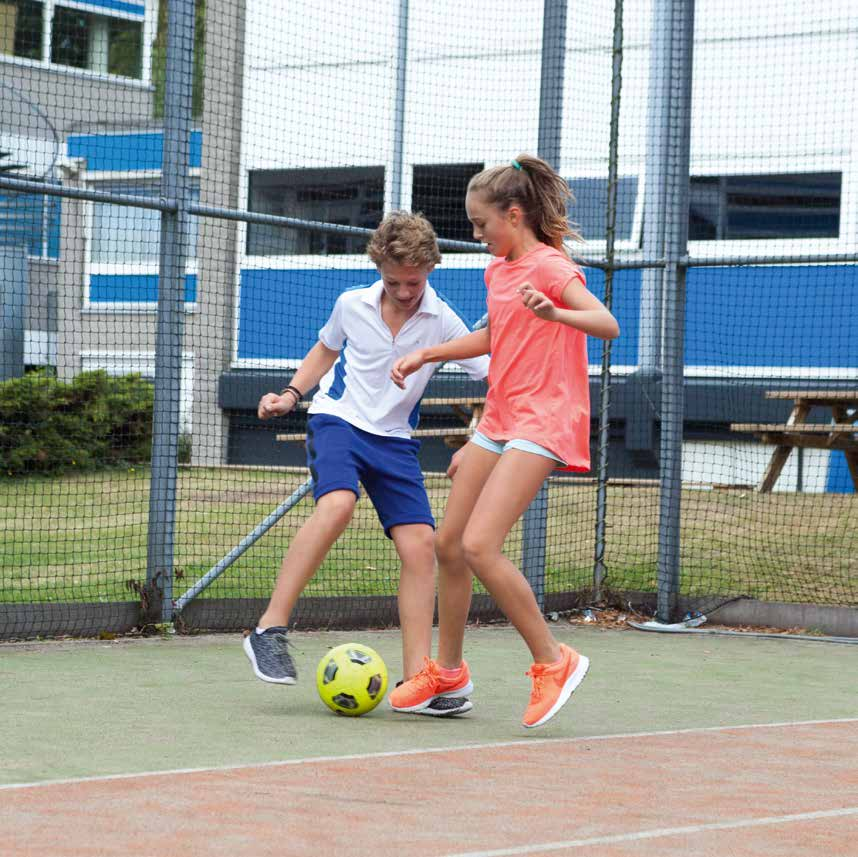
358, 388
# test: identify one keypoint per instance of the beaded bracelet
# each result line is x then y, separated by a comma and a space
294, 391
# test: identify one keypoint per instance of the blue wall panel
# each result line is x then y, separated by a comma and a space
117, 6
122, 152
281, 311
795, 316
133, 288
839, 479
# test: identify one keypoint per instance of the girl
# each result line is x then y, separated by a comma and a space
536, 419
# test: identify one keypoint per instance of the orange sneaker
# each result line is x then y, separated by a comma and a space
553, 685
420, 690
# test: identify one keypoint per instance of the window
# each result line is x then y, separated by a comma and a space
123, 235
32, 220
97, 42
802, 205
439, 192
350, 196
590, 208
21, 28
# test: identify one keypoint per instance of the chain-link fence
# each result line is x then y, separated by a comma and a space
188, 186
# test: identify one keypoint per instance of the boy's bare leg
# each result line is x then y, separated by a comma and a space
415, 544
454, 575
509, 490
306, 553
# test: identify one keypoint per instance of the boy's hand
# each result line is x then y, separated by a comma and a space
539, 304
455, 461
405, 366
272, 405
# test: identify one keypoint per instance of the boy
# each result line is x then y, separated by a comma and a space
359, 429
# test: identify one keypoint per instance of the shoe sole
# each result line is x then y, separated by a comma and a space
572, 683
466, 690
464, 708
248, 650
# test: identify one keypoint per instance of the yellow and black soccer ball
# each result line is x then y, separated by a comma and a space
352, 679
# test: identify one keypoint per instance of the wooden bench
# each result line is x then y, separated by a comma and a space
841, 434
453, 437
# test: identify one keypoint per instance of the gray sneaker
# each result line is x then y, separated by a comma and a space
445, 706
269, 654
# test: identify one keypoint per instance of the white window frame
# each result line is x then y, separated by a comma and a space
93, 180
148, 25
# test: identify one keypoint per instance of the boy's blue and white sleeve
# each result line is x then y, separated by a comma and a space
333, 335
454, 327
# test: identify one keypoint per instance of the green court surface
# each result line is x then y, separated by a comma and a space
75, 709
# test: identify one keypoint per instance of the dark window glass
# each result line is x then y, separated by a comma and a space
438, 191
804, 205
349, 196
70, 38
125, 48
590, 208
21, 24
97, 42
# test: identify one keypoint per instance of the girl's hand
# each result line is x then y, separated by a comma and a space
539, 304
455, 461
405, 366
272, 405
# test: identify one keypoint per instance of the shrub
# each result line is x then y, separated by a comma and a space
50, 426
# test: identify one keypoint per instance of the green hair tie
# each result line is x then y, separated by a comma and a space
516, 164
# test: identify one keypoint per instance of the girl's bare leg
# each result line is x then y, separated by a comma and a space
454, 575
510, 488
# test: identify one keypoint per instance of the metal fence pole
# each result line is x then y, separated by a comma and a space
398, 166
535, 518
676, 241
551, 81
599, 567
171, 286
655, 199
533, 540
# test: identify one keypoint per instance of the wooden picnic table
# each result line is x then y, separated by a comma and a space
841, 433
468, 408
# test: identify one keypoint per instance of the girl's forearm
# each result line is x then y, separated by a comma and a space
594, 322
473, 345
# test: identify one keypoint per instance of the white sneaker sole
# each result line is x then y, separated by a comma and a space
248, 650
467, 690
568, 689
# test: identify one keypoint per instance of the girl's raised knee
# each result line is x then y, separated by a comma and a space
477, 553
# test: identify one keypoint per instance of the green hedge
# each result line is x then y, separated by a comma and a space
49, 426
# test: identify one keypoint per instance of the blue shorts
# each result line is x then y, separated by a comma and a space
524, 445
341, 455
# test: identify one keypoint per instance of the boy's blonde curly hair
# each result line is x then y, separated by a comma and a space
404, 239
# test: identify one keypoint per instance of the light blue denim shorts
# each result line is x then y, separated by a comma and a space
524, 445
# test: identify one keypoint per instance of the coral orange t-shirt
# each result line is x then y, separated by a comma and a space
538, 382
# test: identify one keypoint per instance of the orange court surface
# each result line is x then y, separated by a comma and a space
703, 746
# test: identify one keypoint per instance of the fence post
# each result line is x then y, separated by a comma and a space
673, 351
599, 567
171, 287
533, 541
14, 288
398, 166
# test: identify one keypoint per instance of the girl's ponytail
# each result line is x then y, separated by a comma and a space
542, 194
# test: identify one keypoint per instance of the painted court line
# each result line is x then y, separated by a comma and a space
310, 760
658, 833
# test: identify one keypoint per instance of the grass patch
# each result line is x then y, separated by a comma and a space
83, 537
